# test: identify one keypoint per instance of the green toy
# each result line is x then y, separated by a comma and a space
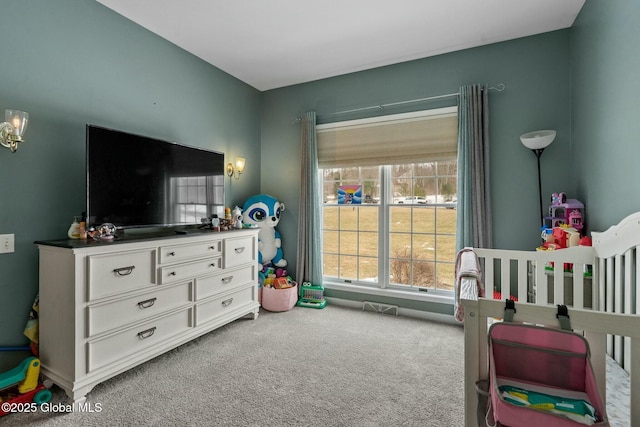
311, 296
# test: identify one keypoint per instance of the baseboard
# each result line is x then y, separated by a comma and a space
408, 312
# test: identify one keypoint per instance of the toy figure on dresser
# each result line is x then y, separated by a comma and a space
236, 217
106, 231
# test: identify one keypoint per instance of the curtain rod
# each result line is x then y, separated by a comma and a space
500, 87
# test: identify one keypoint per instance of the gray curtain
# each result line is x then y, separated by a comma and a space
309, 261
473, 228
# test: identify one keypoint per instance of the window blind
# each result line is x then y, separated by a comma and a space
423, 136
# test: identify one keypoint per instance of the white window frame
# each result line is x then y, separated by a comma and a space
382, 287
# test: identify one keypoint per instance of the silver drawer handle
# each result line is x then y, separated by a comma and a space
227, 303
147, 303
146, 334
226, 280
239, 250
124, 271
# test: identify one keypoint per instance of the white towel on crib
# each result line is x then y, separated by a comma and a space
468, 279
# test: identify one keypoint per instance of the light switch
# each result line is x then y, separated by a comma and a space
7, 243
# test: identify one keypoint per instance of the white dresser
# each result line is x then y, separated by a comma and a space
107, 306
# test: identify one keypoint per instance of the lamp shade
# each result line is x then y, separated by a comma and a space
538, 140
18, 121
240, 164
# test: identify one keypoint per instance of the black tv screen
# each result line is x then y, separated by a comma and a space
138, 181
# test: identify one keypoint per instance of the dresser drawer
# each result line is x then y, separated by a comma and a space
209, 310
190, 251
113, 274
189, 270
239, 251
229, 279
128, 342
111, 315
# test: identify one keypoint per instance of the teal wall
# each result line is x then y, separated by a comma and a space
72, 62
536, 73
605, 119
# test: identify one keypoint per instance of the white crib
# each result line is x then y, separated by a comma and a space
604, 304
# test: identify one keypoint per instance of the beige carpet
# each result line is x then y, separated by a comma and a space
332, 367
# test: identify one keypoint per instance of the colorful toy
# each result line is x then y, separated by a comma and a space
270, 276
561, 238
282, 283
575, 219
20, 384
498, 295
558, 198
565, 237
311, 296
568, 212
264, 211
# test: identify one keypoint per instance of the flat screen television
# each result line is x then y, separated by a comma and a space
138, 181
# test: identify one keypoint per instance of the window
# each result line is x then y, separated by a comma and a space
422, 226
400, 232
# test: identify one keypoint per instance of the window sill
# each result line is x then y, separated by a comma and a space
433, 296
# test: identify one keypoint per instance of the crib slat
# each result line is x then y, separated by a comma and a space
578, 286
636, 293
558, 283
602, 290
505, 277
522, 281
617, 307
627, 301
609, 299
542, 296
489, 282
634, 370
636, 309
595, 286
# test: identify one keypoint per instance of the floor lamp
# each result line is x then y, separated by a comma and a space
537, 141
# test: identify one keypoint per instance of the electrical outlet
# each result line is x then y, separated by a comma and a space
7, 243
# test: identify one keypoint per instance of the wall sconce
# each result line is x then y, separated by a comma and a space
237, 170
537, 141
14, 126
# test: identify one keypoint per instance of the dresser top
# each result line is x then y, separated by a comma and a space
140, 236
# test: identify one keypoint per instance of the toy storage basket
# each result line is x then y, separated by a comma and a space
279, 299
540, 376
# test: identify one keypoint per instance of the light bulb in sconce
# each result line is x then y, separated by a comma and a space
236, 170
240, 165
13, 128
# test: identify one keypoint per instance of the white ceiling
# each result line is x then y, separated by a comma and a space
275, 43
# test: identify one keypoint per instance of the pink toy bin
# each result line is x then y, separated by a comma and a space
279, 299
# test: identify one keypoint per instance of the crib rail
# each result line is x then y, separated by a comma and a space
519, 272
596, 325
617, 270
611, 327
